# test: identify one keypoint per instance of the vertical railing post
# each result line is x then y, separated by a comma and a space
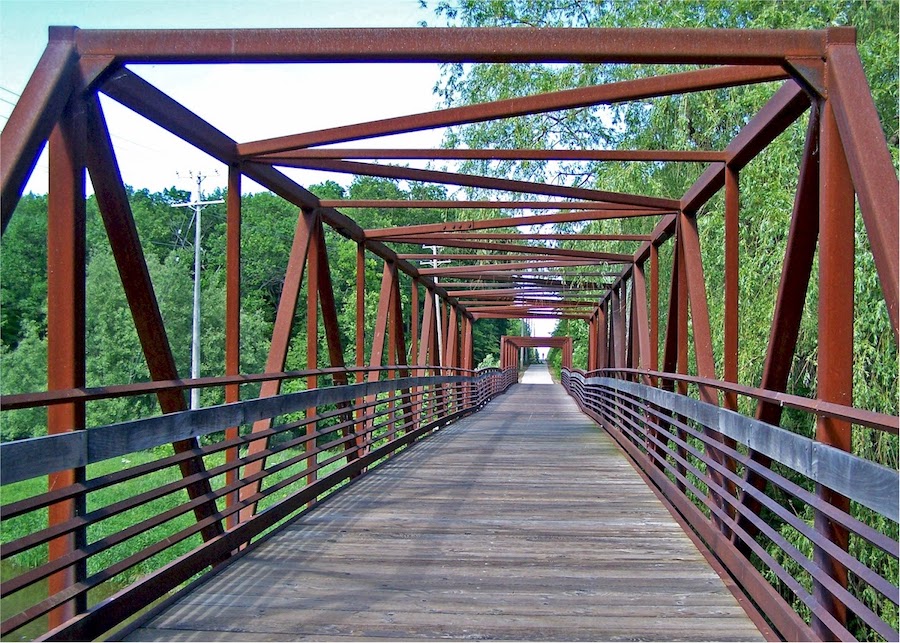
835, 351
66, 230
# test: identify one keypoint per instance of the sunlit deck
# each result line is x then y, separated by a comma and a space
523, 521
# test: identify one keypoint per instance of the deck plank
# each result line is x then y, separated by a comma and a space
522, 522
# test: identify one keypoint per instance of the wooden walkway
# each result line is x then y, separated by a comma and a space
521, 522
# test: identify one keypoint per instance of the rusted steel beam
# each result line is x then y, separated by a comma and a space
870, 166
654, 307
34, 116
451, 356
683, 156
313, 277
536, 256
454, 204
232, 318
381, 318
637, 89
789, 304
438, 45
506, 222
641, 321
360, 337
445, 237
414, 321
518, 248
732, 267
278, 348
66, 261
785, 106
135, 93
146, 100
534, 302
788, 103
488, 268
522, 290
118, 221
703, 350
477, 181
835, 352
602, 337
527, 315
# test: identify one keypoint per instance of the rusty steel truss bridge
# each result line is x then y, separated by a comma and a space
248, 474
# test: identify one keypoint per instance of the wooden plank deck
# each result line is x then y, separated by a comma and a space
522, 522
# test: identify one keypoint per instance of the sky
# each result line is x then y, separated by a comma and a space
277, 97
246, 102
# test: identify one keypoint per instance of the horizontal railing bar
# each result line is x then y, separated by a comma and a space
876, 538
104, 575
622, 403
864, 481
23, 459
793, 584
871, 419
15, 509
785, 619
67, 396
866, 574
103, 616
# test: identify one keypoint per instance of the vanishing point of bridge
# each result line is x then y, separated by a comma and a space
398, 491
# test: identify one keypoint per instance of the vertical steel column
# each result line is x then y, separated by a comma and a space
328, 310
425, 348
232, 319
641, 325
835, 353
66, 230
360, 335
654, 307
397, 347
682, 307
414, 322
312, 339
592, 339
602, 339
732, 272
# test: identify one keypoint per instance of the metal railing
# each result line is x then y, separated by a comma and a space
756, 494
139, 535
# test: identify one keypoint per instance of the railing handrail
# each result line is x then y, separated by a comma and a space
340, 432
16, 401
823, 463
32, 457
820, 408
720, 469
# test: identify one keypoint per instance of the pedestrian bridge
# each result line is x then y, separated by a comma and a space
657, 491
523, 521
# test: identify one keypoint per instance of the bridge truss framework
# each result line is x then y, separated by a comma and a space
500, 274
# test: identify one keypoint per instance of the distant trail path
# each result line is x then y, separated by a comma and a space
537, 374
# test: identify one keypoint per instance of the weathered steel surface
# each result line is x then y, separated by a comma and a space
469, 536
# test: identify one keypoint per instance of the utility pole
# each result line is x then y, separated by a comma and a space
437, 303
196, 204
